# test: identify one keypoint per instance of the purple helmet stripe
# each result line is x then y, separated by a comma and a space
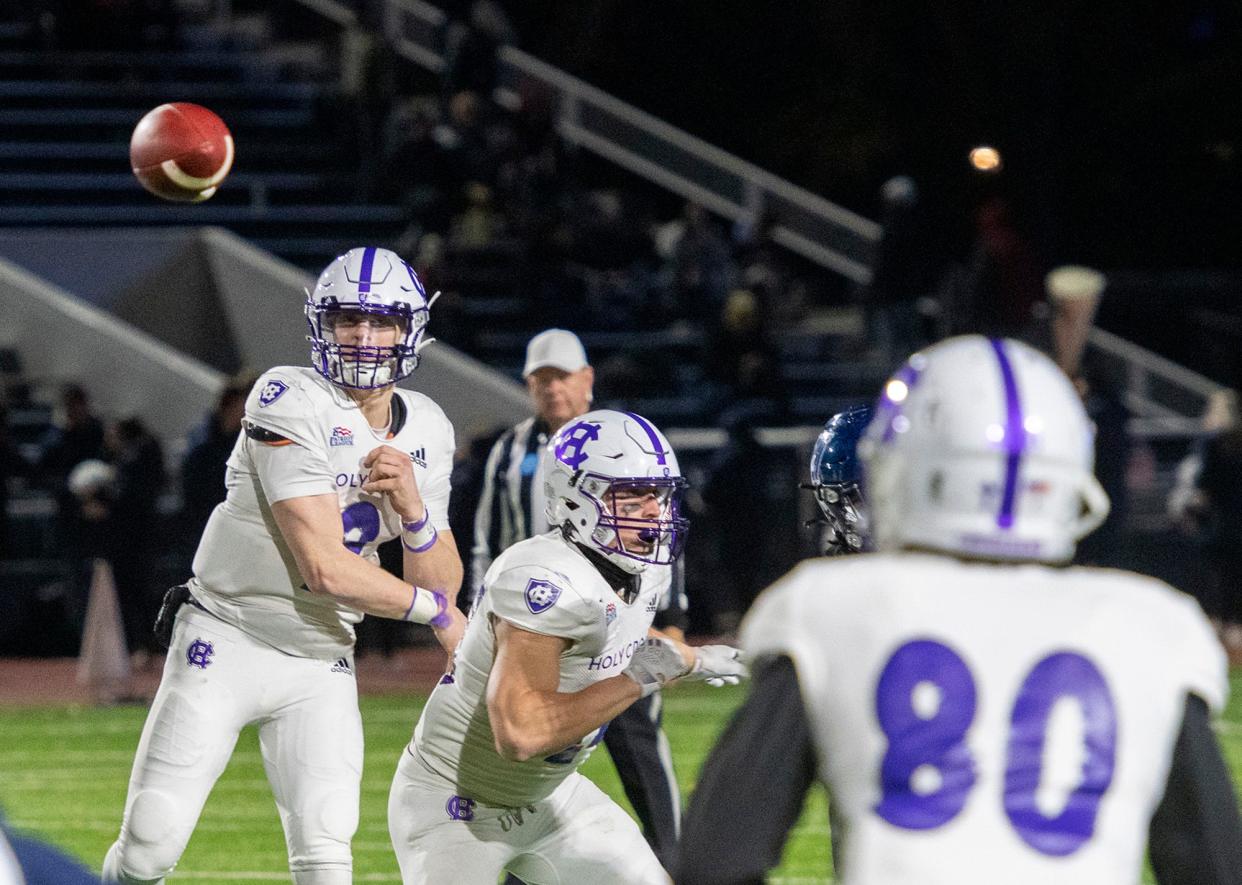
651, 433
1015, 436
364, 273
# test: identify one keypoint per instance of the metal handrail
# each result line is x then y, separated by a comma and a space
816, 228
811, 226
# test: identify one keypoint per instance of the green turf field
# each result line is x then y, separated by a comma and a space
63, 773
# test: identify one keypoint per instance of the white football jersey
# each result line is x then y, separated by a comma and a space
545, 585
982, 723
244, 573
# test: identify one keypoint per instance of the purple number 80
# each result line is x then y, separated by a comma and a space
929, 744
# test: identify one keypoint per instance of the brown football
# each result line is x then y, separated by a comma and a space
181, 151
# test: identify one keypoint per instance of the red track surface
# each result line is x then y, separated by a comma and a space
54, 680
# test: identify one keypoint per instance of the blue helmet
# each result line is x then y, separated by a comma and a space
835, 475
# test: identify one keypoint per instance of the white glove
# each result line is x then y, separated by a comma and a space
718, 665
655, 662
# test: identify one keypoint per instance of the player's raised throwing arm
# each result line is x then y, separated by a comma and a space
311, 527
530, 717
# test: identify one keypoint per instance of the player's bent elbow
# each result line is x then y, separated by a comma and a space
322, 579
513, 745
513, 741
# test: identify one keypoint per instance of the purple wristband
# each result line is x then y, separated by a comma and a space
421, 548
442, 619
417, 526
423, 533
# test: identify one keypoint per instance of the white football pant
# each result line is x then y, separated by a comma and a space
216, 680
577, 835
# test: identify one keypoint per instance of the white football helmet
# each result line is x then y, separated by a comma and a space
374, 281
605, 454
981, 447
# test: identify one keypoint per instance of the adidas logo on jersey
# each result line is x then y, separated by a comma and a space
653, 603
341, 436
342, 666
419, 456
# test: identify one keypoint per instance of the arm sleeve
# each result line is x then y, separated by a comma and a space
741, 812
1196, 836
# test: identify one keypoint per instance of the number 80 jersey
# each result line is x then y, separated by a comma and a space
985, 723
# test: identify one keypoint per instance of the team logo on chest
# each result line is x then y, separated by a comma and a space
341, 436
541, 595
610, 613
199, 654
419, 456
271, 392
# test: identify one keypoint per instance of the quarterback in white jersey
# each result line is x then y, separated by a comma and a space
980, 712
559, 642
331, 462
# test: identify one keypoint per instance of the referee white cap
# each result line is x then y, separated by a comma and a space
558, 348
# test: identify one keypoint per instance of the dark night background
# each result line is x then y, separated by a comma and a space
1118, 123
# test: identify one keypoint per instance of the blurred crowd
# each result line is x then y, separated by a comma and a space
502, 209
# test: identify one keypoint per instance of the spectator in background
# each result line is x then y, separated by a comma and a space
11, 464
1001, 291
135, 536
1103, 399
740, 481
702, 262
202, 468
740, 355
1220, 483
76, 435
899, 272
470, 49
1204, 505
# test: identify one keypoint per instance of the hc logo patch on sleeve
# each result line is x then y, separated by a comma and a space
271, 392
541, 595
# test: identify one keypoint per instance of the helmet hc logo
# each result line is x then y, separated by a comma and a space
569, 450
199, 654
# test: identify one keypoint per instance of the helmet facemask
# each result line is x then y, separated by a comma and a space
367, 284
622, 532
365, 366
842, 510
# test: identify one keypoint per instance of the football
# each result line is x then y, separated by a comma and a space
181, 152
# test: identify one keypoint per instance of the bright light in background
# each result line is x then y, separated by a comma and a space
896, 390
1034, 425
995, 433
985, 158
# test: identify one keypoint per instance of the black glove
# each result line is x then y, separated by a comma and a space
173, 600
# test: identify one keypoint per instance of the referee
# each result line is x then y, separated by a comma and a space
511, 508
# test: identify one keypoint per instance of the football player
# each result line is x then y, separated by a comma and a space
331, 461
981, 711
559, 642
835, 475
